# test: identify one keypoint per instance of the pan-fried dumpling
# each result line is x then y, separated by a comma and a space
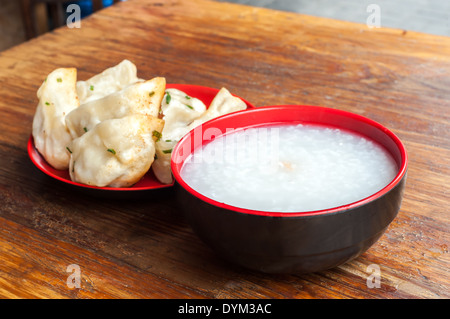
161, 165
139, 98
179, 125
116, 152
110, 80
178, 110
223, 103
57, 97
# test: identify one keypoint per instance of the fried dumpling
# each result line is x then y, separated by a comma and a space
110, 80
57, 97
139, 98
161, 165
178, 111
179, 124
116, 152
223, 103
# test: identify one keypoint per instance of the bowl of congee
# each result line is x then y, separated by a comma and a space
289, 188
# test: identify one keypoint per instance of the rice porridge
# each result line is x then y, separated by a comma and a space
289, 168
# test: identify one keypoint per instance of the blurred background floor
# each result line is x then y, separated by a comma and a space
12, 31
428, 16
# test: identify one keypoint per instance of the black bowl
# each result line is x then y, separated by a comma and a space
300, 242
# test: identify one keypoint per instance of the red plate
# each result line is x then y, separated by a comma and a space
149, 181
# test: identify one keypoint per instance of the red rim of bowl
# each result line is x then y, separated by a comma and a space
38, 160
176, 168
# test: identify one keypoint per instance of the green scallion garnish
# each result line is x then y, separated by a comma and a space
111, 150
167, 151
59, 80
69, 149
157, 134
168, 98
189, 106
151, 93
85, 129
47, 103
91, 88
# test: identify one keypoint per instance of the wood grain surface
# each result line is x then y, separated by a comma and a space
142, 248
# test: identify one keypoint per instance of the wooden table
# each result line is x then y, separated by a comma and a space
144, 248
